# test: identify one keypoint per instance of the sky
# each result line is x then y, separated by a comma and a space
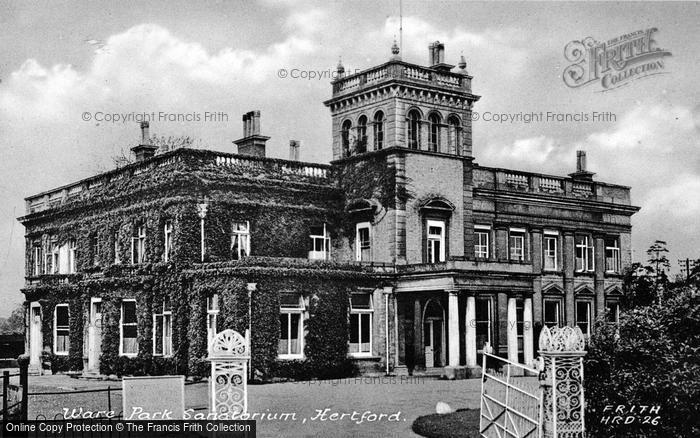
61, 60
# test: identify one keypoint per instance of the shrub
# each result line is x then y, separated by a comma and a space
651, 358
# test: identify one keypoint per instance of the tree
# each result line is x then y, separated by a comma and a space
659, 261
165, 144
639, 287
651, 358
15, 323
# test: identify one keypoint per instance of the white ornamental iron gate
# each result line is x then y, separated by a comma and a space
515, 405
229, 354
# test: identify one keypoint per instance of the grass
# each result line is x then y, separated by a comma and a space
463, 423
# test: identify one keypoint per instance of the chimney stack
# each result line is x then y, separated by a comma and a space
145, 149
581, 173
436, 53
580, 161
294, 146
252, 142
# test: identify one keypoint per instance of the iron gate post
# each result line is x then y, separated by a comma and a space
23, 362
562, 350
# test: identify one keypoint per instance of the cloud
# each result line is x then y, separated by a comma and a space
652, 148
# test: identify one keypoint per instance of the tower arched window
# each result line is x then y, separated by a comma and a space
414, 129
378, 130
454, 134
434, 138
345, 137
361, 135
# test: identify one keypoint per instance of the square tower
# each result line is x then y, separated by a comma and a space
399, 104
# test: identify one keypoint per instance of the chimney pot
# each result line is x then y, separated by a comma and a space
145, 137
252, 143
294, 146
145, 149
437, 53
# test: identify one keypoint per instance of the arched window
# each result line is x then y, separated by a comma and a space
434, 138
345, 137
454, 134
414, 129
378, 130
361, 135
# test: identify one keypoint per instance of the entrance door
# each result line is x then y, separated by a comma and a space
95, 335
434, 334
35, 339
428, 335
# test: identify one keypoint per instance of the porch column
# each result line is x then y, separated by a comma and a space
453, 328
512, 331
527, 330
470, 324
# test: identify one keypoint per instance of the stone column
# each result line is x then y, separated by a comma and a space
453, 370
512, 330
470, 329
527, 331
453, 328
473, 368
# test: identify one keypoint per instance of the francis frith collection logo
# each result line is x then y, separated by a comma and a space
616, 62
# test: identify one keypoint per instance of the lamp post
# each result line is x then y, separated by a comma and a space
202, 213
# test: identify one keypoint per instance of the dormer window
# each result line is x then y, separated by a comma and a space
320, 243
